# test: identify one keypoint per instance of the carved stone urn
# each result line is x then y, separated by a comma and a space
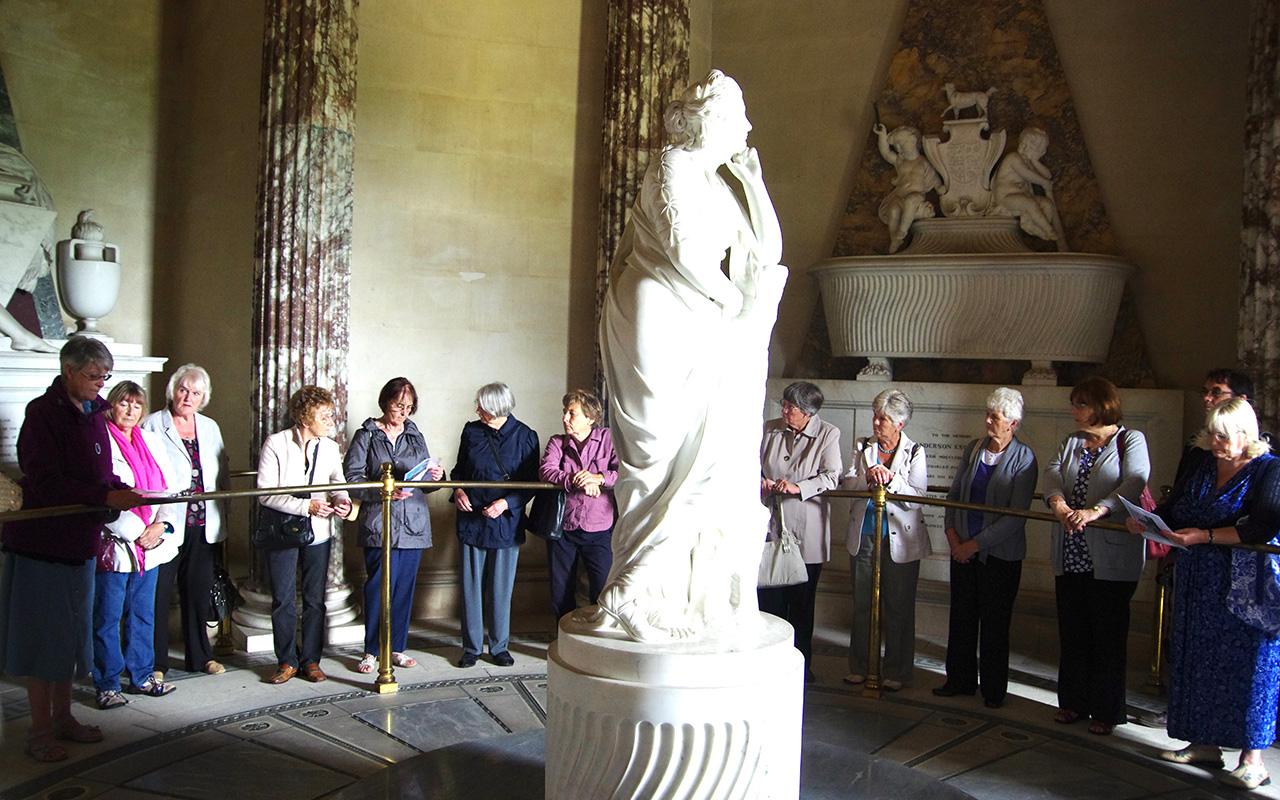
88, 275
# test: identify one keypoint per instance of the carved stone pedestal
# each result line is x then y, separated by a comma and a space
714, 718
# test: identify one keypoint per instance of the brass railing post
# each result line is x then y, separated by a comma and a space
871, 688
386, 682
1155, 679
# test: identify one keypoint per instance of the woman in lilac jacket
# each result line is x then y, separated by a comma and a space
582, 462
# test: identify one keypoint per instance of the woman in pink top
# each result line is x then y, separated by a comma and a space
582, 462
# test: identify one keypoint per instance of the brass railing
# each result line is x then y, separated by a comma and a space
388, 485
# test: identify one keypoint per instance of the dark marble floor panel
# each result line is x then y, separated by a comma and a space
361, 736
122, 766
245, 769
1038, 774
428, 726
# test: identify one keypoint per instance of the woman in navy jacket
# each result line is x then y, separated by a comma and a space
497, 447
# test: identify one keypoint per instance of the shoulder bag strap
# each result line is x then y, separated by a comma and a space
493, 449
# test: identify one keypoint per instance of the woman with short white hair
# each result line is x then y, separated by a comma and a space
496, 447
194, 444
890, 459
987, 551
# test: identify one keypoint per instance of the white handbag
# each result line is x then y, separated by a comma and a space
781, 563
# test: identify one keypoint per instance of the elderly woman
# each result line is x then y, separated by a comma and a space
581, 461
987, 551
193, 443
496, 447
1225, 656
391, 438
890, 459
302, 455
1097, 571
46, 594
133, 548
799, 460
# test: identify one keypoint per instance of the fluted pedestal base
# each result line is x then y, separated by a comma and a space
715, 718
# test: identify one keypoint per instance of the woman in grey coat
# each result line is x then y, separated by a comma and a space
987, 551
1097, 571
392, 437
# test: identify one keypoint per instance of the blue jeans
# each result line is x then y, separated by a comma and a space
404, 577
488, 576
133, 596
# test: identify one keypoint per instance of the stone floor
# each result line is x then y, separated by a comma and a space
477, 733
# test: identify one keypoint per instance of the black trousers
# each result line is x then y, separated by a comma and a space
795, 605
982, 596
192, 571
1093, 629
302, 568
593, 550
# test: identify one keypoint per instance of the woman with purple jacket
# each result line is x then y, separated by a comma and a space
46, 595
582, 462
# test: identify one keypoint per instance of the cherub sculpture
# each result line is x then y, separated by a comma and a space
1023, 188
914, 179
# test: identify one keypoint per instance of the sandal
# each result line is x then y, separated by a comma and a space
1099, 728
1247, 776
367, 664
1065, 717
70, 730
402, 660
42, 747
111, 698
1194, 754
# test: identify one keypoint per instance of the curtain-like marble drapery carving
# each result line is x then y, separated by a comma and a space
647, 62
1259, 342
301, 293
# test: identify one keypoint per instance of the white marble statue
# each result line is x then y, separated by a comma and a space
914, 179
959, 101
1023, 188
26, 240
692, 299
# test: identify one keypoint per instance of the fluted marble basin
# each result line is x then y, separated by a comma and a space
1008, 306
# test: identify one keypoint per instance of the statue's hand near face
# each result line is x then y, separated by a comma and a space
745, 166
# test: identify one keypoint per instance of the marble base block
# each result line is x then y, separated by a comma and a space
718, 718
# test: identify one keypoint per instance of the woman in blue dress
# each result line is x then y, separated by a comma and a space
1225, 654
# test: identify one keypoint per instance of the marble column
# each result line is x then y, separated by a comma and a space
647, 64
1259, 334
301, 293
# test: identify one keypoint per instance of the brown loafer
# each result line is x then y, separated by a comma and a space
313, 673
284, 673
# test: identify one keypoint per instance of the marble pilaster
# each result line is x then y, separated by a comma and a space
647, 62
302, 281
1259, 334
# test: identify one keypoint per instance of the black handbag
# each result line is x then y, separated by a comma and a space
222, 594
546, 519
277, 530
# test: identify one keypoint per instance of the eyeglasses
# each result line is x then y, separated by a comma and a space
96, 378
399, 407
1217, 393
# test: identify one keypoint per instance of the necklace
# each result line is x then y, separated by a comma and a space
881, 448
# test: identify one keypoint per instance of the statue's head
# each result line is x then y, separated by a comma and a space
1033, 143
710, 115
905, 140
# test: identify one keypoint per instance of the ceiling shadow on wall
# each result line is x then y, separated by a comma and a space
580, 364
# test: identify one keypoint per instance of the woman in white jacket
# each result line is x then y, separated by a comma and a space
889, 459
303, 455
133, 548
194, 445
